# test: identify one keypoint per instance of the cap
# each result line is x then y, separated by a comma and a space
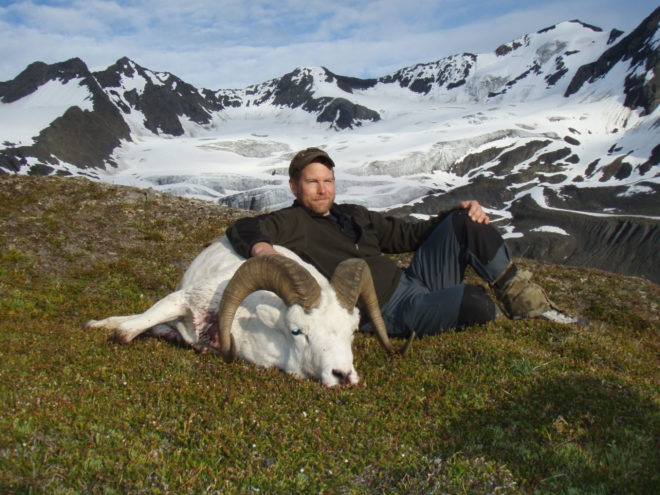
307, 156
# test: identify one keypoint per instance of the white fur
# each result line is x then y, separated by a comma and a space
262, 327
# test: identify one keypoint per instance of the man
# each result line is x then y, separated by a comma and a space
428, 297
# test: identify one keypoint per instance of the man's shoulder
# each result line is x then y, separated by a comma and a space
286, 210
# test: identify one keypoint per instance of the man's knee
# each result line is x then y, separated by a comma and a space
481, 239
476, 307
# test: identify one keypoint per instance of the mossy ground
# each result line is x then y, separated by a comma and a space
508, 407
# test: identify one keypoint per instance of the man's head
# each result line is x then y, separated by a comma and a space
312, 180
305, 157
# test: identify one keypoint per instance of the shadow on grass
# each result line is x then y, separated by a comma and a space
576, 431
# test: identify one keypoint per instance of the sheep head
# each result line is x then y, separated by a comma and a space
319, 322
275, 273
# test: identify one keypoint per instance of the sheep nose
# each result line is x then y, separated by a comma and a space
342, 376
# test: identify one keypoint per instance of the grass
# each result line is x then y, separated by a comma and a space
508, 407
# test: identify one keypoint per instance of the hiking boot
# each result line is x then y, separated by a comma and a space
522, 298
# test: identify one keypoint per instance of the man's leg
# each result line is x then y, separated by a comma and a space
431, 297
413, 307
455, 243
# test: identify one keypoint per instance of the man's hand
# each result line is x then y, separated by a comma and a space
475, 211
261, 248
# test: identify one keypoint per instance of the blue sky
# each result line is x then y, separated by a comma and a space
220, 44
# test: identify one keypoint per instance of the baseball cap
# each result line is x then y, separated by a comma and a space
307, 156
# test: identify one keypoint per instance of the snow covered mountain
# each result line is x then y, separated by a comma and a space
556, 133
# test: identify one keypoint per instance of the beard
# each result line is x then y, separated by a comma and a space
320, 204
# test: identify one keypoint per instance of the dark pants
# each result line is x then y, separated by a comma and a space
430, 297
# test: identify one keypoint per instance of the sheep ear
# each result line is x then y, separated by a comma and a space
268, 315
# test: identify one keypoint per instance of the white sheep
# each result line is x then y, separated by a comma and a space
270, 310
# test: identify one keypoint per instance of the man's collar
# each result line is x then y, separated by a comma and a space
333, 209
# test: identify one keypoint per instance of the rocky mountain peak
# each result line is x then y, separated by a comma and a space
640, 50
38, 74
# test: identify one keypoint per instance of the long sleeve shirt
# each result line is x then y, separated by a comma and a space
350, 231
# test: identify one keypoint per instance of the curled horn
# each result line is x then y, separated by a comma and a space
272, 272
352, 280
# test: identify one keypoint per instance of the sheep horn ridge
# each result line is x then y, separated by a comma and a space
352, 280
275, 273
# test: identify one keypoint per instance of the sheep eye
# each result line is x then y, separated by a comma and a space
296, 331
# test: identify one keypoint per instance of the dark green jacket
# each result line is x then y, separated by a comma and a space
323, 242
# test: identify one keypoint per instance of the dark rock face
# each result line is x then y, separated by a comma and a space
489, 191
509, 159
81, 137
474, 160
611, 200
450, 72
638, 48
294, 90
625, 244
345, 114
507, 48
348, 84
620, 245
37, 74
619, 237
291, 90
162, 104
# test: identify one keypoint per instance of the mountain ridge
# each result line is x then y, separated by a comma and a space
558, 124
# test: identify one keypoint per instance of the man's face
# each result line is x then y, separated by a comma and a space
316, 188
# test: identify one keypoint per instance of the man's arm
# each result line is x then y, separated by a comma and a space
397, 236
255, 236
245, 234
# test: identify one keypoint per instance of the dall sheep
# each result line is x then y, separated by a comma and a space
274, 310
